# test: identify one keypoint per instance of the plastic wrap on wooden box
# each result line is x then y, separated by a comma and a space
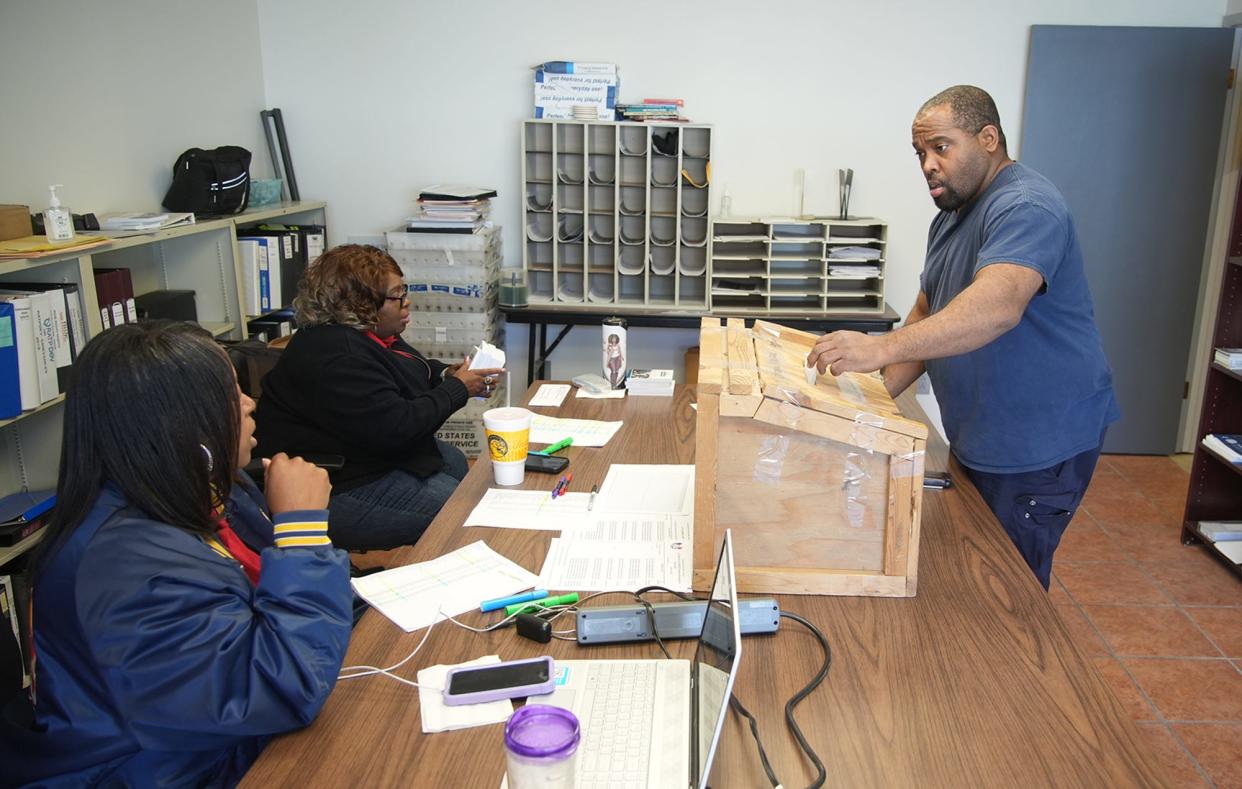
819, 477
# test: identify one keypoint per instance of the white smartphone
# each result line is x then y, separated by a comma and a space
509, 680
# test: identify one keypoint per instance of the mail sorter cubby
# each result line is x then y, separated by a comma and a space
821, 483
773, 266
616, 213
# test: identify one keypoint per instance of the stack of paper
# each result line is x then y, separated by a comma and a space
852, 272
1227, 447
854, 253
1229, 357
1221, 531
650, 383
451, 209
639, 533
145, 221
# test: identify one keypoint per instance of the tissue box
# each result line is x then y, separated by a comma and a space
265, 191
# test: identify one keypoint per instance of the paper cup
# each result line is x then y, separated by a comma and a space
508, 438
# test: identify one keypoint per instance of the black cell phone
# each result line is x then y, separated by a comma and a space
545, 464
937, 480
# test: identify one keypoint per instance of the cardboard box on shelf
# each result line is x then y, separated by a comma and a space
14, 221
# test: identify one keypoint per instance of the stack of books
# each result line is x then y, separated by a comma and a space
1226, 447
650, 383
1229, 357
652, 110
451, 209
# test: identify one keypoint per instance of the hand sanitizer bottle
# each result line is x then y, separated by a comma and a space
57, 221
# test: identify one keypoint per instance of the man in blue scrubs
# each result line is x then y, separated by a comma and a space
1003, 325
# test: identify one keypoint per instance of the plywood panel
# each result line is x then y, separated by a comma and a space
797, 501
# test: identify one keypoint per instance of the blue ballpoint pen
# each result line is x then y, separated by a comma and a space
501, 602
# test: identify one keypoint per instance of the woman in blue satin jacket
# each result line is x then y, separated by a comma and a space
177, 627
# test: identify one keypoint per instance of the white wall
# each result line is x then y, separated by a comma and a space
102, 97
385, 96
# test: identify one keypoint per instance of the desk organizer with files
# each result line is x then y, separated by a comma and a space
800, 267
819, 477
616, 213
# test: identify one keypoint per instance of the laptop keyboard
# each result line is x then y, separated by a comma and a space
622, 704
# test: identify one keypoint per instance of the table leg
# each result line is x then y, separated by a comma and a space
530, 355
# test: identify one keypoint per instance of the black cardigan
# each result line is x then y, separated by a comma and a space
336, 391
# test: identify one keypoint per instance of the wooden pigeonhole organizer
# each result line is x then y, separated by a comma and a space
821, 483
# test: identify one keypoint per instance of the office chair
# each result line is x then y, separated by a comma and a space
14, 702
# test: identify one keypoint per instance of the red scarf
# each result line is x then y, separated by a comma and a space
248, 559
388, 342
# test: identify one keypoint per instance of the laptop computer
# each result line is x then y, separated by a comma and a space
656, 723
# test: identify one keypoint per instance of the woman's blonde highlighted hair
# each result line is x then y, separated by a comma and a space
345, 285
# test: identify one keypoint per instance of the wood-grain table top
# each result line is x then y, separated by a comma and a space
974, 682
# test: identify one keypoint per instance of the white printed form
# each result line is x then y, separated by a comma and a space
550, 395
647, 488
411, 596
584, 432
529, 509
623, 552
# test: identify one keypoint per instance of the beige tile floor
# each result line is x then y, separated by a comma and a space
1163, 621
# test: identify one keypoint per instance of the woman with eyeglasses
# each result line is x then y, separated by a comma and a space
181, 617
348, 385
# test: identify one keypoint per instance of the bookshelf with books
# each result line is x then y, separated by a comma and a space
1215, 495
615, 213
202, 257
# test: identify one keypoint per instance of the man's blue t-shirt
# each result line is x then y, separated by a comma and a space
1041, 392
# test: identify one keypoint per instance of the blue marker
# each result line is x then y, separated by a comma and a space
501, 602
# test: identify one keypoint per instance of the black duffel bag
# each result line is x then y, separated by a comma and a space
210, 182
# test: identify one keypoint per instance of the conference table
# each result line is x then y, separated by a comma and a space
974, 682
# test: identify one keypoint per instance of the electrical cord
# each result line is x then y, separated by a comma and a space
736, 703
821, 773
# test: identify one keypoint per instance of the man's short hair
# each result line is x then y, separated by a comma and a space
972, 109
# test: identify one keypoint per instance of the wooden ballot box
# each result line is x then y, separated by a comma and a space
821, 482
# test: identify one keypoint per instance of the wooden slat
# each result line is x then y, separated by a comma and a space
738, 405
916, 497
711, 356
900, 512
781, 358
707, 419
743, 377
795, 580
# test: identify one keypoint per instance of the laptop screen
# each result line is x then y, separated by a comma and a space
714, 667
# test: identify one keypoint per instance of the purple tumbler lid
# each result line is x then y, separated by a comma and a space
542, 731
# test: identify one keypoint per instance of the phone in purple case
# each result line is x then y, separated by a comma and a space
508, 680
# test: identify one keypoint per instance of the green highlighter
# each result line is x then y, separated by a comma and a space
539, 605
557, 447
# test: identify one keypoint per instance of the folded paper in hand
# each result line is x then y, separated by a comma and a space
487, 357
